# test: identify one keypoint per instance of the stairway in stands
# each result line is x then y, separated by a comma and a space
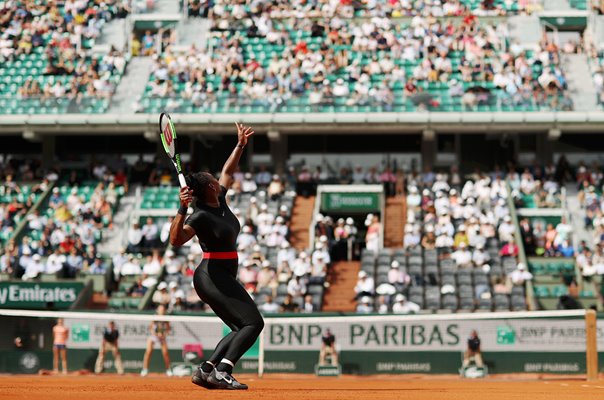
394, 221
342, 278
301, 220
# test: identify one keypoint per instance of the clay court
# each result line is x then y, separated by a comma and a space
294, 387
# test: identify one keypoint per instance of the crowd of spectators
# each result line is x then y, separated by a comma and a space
65, 32
357, 61
464, 224
62, 234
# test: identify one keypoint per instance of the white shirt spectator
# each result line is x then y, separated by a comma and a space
135, 235
506, 231
480, 257
152, 267
405, 307
296, 287
322, 253
520, 275
149, 231
462, 257
34, 267
364, 284
301, 265
165, 232
130, 267
271, 307
54, 263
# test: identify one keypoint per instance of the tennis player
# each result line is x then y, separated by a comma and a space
215, 279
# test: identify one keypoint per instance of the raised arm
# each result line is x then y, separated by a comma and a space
179, 232
243, 133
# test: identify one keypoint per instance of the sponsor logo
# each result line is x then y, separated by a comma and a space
80, 333
506, 335
168, 134
16, 293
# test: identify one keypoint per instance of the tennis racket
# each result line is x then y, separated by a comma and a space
167, 132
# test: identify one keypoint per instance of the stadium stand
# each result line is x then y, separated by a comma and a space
47, 63
347, 65
458, 254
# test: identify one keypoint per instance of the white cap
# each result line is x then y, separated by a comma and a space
521, 266
395, 264
323, 238
462, 227
399, 297
507, 218
169, 253
263, 207
162, 285
362, 274
173, 285
446, 289
365, 299
486, 268
36, 257
247, 229
256, 247
284, 244
266, 264
349, 221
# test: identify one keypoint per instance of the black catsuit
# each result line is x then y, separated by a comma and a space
215, 280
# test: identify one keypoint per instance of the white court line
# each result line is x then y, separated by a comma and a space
585, 386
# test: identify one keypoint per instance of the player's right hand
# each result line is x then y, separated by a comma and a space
186, 196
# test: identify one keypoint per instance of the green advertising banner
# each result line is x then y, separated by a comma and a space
350, 202
59, 295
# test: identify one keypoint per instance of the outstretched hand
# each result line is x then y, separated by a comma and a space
243, 133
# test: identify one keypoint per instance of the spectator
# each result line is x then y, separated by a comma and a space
289, 305
161, 296
520, 275
364, 306
308, 306
137, 289
403, 306
296, 287
365, 286
269, 306
135, 238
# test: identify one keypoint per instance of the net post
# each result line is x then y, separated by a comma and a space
261, 354
591, 345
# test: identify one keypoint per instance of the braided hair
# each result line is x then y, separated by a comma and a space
198, 182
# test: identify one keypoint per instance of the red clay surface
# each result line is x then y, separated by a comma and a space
298, 387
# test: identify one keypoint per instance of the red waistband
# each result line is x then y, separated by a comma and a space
220, 255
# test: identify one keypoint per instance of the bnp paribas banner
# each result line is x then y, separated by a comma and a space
39, 295
389, 334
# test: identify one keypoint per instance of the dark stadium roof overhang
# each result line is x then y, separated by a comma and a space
300, 124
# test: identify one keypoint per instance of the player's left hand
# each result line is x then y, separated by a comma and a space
243, 133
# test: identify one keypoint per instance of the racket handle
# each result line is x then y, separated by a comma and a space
182, 181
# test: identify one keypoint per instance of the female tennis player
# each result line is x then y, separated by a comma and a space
215, 279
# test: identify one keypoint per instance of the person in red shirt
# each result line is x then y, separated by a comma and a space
509, 249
